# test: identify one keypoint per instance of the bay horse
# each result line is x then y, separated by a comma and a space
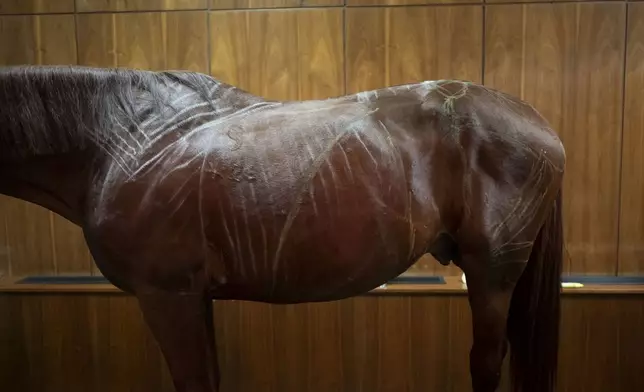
189, 189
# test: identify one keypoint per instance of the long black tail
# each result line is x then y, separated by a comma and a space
533, 323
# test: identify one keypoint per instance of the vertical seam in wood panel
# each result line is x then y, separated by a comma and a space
164, 38
115, 57
37, 39
7, 247
76, 33
387, 41
52, 232
208, 37
344, 47
298, 58
483, 46
524, 27
621, 142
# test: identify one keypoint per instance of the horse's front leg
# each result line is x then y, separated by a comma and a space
182, 324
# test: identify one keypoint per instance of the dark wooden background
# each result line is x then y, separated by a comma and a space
396, 343
580, 63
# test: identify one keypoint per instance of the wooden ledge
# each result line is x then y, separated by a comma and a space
13, 285
452, 285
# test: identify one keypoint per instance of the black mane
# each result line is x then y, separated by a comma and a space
56, 109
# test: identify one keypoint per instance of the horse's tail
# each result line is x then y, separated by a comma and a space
533, 322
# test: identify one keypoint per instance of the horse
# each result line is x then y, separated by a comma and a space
189, 189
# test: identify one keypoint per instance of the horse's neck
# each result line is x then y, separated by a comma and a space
56, 182
56, 122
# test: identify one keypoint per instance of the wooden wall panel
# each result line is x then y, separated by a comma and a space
236, 4
42, 39
138, 5
546, 1
5, 261
81, 342
146, 40
388, 46
241, 4
396, 45
631, 233
36, 6
309, 3
294, 54
406, 2
567, 60
33, 242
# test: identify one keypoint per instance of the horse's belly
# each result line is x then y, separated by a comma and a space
316, 244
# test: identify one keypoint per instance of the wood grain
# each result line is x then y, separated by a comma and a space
363, 344
36, 6
406, 2
311, 3
388, 46
395, 45
69, 247
29, 241
567, 60
544, 1
244, 4
294, 54
5, 260
41, 39
147, 40
237, 4
139, 5
631, 218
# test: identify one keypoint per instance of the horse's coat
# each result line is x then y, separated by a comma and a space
189, 189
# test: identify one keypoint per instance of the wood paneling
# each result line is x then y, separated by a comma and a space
227, 4
395, 45
294, 54
240, 4
148, 40
310, 3
567, 60
69, 248
5, 261
36, 6
138, 5
631, 238
43, 39
29, 241
406, 2
545, 1
364, 344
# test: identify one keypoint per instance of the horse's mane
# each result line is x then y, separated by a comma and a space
55, 109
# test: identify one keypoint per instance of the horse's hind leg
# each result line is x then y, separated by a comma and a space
490, 293
182, 324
